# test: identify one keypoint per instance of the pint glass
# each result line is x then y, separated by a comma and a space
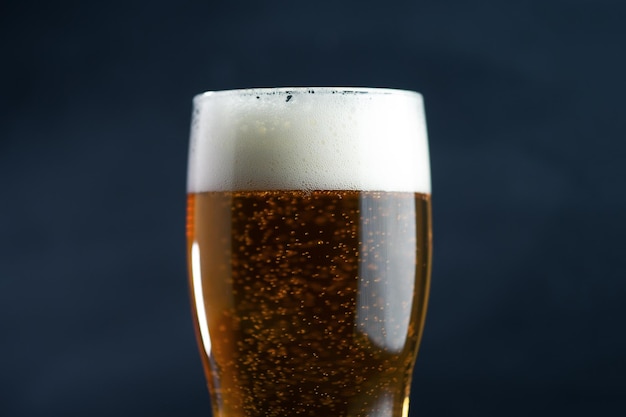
309, 248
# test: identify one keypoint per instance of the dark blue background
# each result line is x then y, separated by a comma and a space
525, 105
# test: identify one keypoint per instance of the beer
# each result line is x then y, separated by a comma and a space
308, 300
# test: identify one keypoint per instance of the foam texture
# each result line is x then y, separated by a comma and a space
309, 139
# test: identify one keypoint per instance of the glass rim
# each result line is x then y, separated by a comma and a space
268, 91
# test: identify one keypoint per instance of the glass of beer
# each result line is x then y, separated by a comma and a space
309, 248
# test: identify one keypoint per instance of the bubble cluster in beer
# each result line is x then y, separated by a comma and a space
295, 296
309, 138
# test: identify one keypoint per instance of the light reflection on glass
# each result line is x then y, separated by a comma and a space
405, 407
386, 272
196, 272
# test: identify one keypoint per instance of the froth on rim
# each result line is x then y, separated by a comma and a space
301, 90
309, 138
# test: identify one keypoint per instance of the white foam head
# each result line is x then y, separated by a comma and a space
309, 139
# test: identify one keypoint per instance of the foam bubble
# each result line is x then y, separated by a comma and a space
309, 138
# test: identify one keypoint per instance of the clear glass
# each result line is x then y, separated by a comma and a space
309, 248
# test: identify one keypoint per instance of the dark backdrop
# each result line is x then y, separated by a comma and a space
525, 105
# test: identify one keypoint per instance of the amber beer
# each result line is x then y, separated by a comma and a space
309, 261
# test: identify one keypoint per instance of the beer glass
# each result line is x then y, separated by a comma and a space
309, 248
